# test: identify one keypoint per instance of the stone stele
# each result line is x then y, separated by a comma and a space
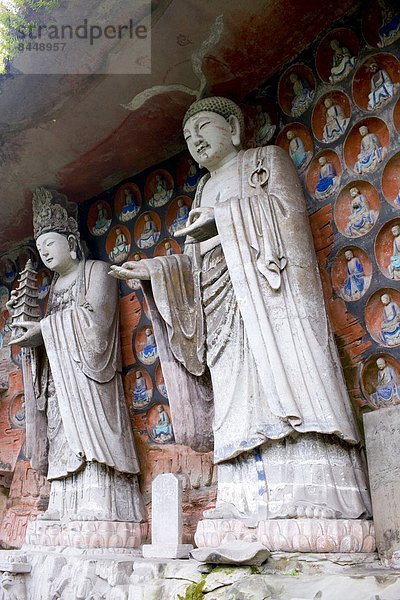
382, 439
166, 521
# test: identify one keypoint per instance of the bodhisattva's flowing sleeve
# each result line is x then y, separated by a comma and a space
173, 299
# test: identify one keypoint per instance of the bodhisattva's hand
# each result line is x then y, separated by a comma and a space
32, 336
134, 269
200, 225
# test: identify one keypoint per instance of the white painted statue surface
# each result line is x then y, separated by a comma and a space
78, 430
336, 121
245, 301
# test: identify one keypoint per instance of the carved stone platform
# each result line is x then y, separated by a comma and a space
291, 535
86, 534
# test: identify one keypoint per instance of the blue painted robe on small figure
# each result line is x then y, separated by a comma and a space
121, 248
149, 235
149, 352
390, 328
130, 208
336, 122
181, 217
371, 152
342, 62
163, 429
140, 393
382, 88
394, 266
297, 151
303, 95
387, 389
361, 218
355, 280
327, 180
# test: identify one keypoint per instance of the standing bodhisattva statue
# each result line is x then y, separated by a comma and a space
78, 429
245, 302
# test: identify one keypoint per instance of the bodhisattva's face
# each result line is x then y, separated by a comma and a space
210, 138
54, 251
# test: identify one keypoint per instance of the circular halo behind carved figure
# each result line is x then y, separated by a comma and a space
177, 214
147, 230
159, 424
8, 269
159, 188
380, 23
127, 201
366, 145
145, 345
387, 249
262, 119
296, 140
118, 244
336, 55
351, 273
28, 253
188, 173
138, 388
99, 218
382, 317
167, 247
296, 90
323, 175
396, 115
391, 181
160, 382
380, 380
376, 81
331, 116
44, 278
356, 209
16, 411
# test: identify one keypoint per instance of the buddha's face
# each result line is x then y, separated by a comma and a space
354, 192
322, 161
290, 135
385, 299
54, 251
348, 254
328, 102
381, 363
363, 130
210, 138
396, 230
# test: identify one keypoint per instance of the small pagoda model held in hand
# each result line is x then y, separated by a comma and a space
26, 307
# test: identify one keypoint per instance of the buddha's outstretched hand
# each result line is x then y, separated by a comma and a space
200, 225
31, 337
133, 269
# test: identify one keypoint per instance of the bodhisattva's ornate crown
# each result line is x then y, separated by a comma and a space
53, 212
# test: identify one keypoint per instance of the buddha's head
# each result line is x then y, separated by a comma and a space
373, 67
349, 254
328, 102
396, 230
322, 161
363, 130
290, 135
334, 45
354, 192
385, 299
381, 363
213, 128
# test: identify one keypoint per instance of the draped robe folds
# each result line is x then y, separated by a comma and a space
78, 370
267, 245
